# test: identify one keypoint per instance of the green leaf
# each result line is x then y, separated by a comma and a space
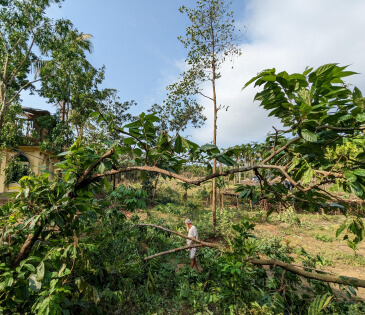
8, 281
308, 135
350, 177
137, 151
29, 267
357, 93
162, 139
178, 145
151, 117
134, 124
320, 70
34, 284
319, 304
351, 289
270, 77
26, 192
293, 164
305, 97
307, 71
129, 141
341, 228
62, 269
260, 75
361, 155
307, 176
40, 272
225, 160
356, 189
359, 172
209, 147
64, 153
297, 76
360, 117
101, 168
185, 143
345, 117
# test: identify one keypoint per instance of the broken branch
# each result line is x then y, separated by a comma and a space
317, 275
172, 251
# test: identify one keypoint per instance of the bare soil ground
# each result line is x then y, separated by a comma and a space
317, 235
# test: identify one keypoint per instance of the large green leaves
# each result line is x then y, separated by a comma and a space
302, 99
308, 135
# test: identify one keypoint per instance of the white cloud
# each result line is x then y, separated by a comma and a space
287, 35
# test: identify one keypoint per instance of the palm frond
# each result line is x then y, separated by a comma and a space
38, 65
84, 40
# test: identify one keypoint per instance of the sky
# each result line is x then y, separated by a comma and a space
137, 42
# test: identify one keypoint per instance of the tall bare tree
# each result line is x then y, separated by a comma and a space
211, 39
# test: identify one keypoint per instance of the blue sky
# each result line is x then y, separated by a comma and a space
137, 42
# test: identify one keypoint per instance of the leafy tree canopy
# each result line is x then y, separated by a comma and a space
25, 34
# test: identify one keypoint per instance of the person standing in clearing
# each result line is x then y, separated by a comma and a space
192, 232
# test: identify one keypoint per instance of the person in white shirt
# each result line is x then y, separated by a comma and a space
192, 232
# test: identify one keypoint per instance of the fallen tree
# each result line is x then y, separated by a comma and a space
296, 269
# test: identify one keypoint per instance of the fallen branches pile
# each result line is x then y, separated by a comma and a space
317, 274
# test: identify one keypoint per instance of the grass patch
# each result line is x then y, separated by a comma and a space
352, 260
323, 238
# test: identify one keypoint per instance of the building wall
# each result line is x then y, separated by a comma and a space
39, 161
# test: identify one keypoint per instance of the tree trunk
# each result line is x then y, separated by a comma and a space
155, 189
185, 197
214, 188
27, 247
68, 108
63, 110
239, 176
3, 107
234, 176
214, 196
2, 114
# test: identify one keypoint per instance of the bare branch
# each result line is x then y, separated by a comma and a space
332, 196
173, 251
318, 275
208, 97
340, 128
26, 85
82, 178
16, 70
196, 182
212, 245
325, 173
155, 169
15, 45
3, 41
276, 139
271, 188
281, 149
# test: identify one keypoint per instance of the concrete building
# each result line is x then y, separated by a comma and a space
31, 156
